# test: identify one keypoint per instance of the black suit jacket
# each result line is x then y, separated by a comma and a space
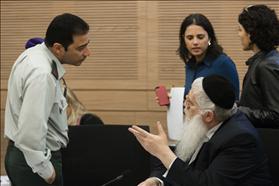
233, 156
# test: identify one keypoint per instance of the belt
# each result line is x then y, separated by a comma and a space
11, 142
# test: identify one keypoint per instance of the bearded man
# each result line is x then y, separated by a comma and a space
219, 145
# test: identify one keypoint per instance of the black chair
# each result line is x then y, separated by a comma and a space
270, 139
99, 154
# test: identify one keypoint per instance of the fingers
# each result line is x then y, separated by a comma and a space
138, 131
144, 184
160, 129
141, 136
52, 178
134, 131
169, 95
141, 184
149, 182
157, 99
142, 133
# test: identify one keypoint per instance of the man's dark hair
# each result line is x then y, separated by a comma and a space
62, 29
213, 51
262, 24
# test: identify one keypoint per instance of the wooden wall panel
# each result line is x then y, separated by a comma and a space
130, 118
133, 47
3, 145
3, 99
118, 51
114, 100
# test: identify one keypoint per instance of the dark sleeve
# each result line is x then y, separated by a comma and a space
157, 168
268, 78
229, 71
231, 164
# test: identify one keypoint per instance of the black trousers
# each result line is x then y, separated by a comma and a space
20, 174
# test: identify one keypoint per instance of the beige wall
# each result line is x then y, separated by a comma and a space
134, 48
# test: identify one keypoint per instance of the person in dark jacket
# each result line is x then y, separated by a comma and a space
219, 145
259, 32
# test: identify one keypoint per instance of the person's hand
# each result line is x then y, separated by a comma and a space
152, 143
157, 145
51, 179
150, 182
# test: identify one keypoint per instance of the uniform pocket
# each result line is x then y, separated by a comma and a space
61, 104
58, 114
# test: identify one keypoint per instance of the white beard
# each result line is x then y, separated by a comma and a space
194, 132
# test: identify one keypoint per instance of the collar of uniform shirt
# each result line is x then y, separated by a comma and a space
212, 131
60, 68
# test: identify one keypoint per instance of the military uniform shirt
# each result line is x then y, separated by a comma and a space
35, 115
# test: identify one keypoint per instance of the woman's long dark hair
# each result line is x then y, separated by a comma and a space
213, 51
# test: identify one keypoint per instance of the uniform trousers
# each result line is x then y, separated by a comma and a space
21, 174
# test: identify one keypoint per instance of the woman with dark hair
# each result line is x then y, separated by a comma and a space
202, 54
259, 32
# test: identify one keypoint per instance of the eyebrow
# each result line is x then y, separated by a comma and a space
201, 34
82, 46
191, 102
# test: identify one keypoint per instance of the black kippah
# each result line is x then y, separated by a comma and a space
219, 90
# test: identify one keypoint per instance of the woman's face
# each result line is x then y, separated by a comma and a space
196, 39
244, 38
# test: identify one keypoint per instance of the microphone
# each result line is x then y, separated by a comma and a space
121, 176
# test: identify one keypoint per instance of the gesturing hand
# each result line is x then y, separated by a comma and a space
157, 145
51, 179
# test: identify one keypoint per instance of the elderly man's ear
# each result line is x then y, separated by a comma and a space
208, 117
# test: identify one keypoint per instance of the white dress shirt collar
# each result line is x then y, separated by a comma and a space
207, 137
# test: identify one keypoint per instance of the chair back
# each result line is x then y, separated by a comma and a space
270, 139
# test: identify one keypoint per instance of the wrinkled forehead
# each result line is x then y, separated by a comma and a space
192, 97
197, 85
